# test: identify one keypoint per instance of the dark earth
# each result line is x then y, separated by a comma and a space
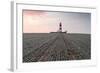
56, 47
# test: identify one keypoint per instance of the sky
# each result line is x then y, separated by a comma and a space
48, 21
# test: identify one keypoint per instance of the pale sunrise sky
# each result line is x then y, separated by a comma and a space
46, 21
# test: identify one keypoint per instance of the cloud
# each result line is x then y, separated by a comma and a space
45, 21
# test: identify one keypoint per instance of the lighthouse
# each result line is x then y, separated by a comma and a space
60, 27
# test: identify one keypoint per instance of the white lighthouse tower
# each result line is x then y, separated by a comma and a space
60, 27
